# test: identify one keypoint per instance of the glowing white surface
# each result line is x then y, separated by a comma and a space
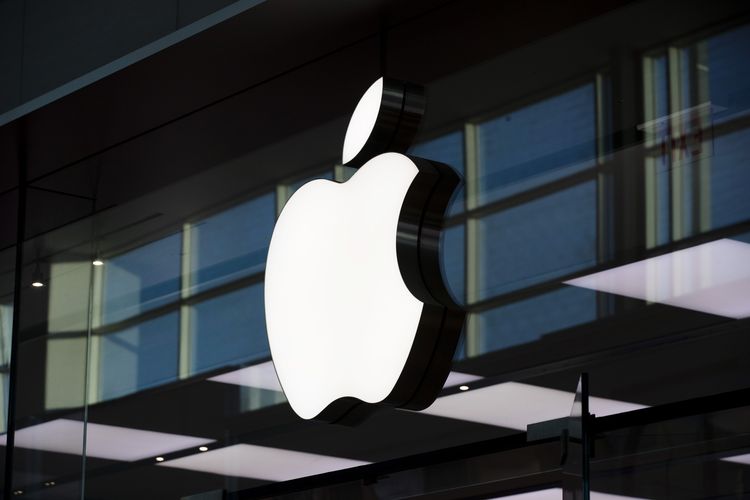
261, 376
362, 121
460, 378
260, 462
514, 405
102, 441
340, 319
557, 494
712, 278
739, 459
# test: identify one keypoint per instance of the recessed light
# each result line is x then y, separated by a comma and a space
464, 388
203, 448
37, 284
159, 459
98, 262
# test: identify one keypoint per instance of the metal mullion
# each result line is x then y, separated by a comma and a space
703, 174
531, 194
94, 351
650, 173
471, 235
675, 125
602, 195
184, 353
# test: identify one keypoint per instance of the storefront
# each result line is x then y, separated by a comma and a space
599, 246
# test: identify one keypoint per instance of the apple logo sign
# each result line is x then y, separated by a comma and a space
357, 313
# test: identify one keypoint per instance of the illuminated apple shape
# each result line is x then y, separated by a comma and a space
356, 311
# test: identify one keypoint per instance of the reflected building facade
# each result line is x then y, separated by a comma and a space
603, 228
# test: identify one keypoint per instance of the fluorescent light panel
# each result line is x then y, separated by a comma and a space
460, 378
260, 462
514, 405
102, 441
739, 459
556, 494
713, 278
263, 376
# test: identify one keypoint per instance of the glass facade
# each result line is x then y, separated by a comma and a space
600, 245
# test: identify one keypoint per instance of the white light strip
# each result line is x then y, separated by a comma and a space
713, 278
263, 376
739, 459
557, 494
460, 378
102, 441
260, 462
514, 405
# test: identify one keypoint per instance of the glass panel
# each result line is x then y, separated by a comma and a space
139, 357
515, 244
537, 144
7, 277
51, 371
229, 329
142, 279
182, 400
696, 457
730, 177
232, 243
520, 323
728, 75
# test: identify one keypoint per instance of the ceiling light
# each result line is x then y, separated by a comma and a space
263, 376
524, 404
102, 441
159, 459
260, 462
463, 388
739, 459
557, 494
713, 278
460, 378
37, 280
203, 448
98, 262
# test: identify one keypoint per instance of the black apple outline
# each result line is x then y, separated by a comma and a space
418, 243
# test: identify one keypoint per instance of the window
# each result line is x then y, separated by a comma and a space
537, 241
537, 144
142, 279
229, 329
139, 357
696, 108
231, 244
